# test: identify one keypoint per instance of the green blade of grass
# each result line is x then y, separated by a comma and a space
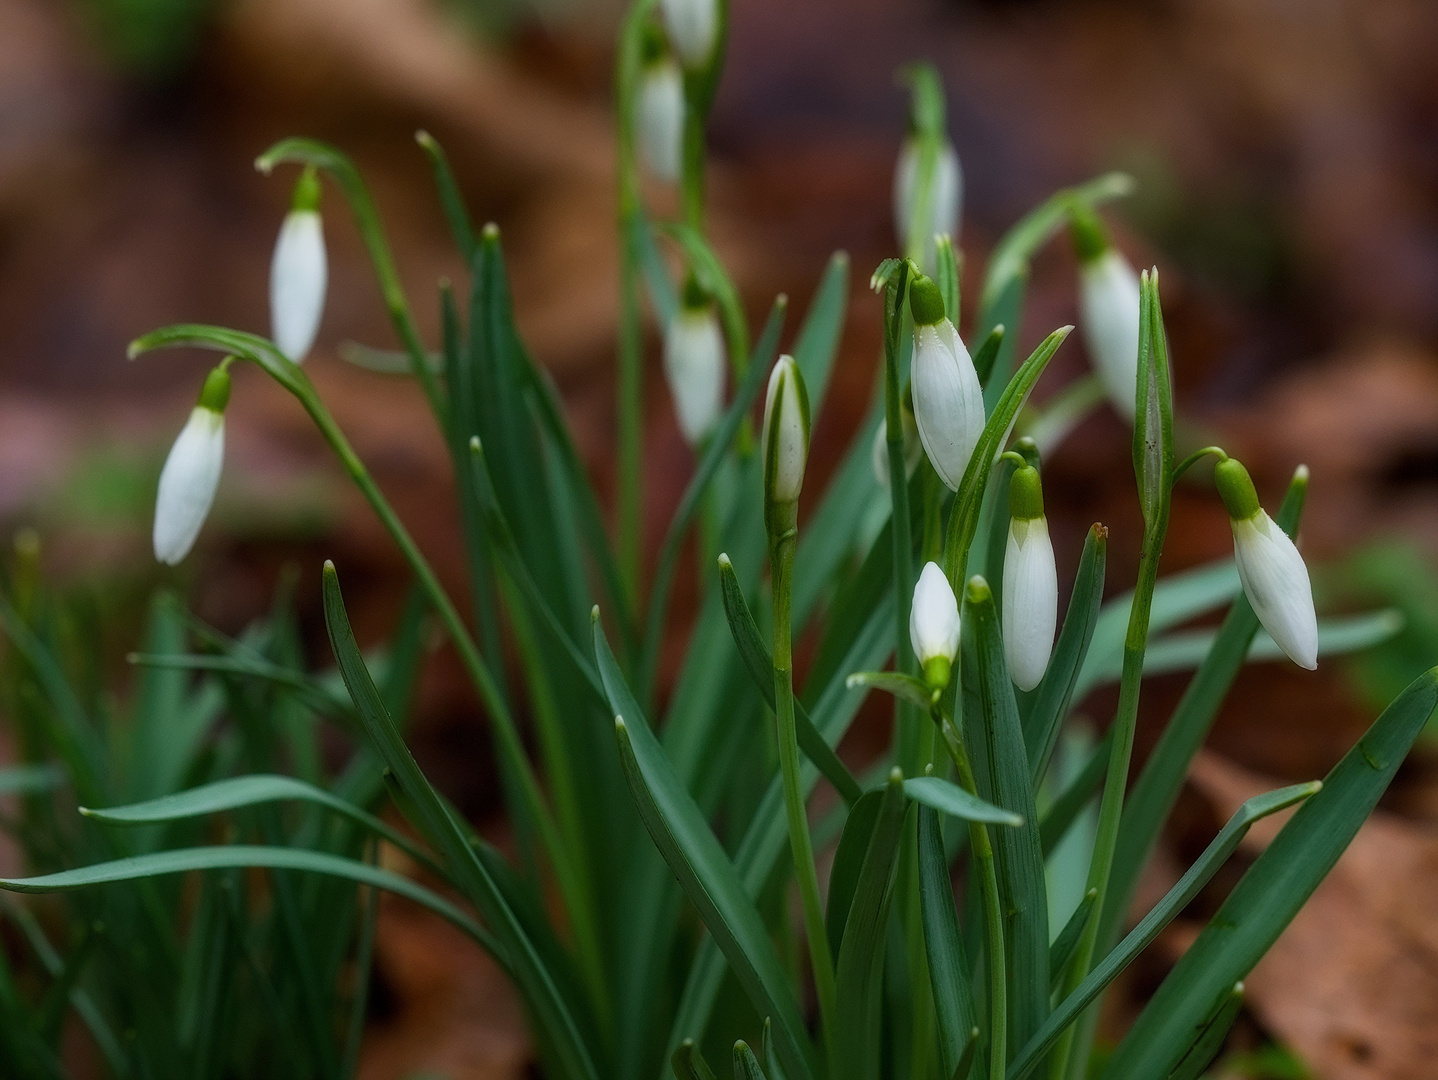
848, 862
1175, 900
1062, 949
949, 973
817, 343
1275, 887
948, 798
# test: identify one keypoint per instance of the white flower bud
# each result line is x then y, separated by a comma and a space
692, 27
786, 433
694, 361
945, 199
934, 624
192, 473
659, 118
948, 401
1274, 576
1031, 601
299, 273
1108, 315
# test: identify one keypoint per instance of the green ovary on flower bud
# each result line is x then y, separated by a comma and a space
299, 273
1273, 573
786, 434
1108, 314
192, 472
926, 302
945, 195
934, 625
693, 28
694, 361
659, 118
948, 401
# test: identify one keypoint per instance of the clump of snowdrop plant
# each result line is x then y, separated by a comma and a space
651, 799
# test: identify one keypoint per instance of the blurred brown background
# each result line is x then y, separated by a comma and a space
1287, 158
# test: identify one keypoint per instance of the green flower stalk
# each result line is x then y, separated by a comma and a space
786, 448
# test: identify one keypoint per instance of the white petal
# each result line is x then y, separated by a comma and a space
660, 119
299, 274
692, 26
694, 363
948, 402
187, 484
934, 617
1275, 580
1109, 314
1031, 601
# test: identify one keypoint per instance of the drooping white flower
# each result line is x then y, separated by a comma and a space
694, 361
948, 401
192, 473
1273, 573
1031, 587
786, 433
1108, 311
693, 28
934, 624
659, 118
913, 449
945, 197
299, 273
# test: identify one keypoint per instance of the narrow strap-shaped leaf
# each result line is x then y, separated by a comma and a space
907, 688
1177, 898
818, 341
1275, 887
1064, 810
662, 295
855, 1039
746, 1065
536, 982
384, 361
450, 200
689, 1063
947, 276
948, 798
1186, 649
996, 744
245, 855
1050, 702
241, 791
760, 665
987, 354
1062, 949
848, 862
718, 447
949, 972
307, 689
1211, 1038
704, 871
30, 779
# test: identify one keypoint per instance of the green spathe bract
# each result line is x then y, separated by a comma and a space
658, 787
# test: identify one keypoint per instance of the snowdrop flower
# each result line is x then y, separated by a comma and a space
948, 401
1274, 576
786, 435
693, 28
659, 113
1031, 586
1108, 311
945, 196
299, 272
934, 625
913, 449
694, 361
192, 472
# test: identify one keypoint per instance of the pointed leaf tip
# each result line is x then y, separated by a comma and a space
594, 615
491, 231
724, 563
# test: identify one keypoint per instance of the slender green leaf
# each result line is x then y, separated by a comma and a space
1275, 887
1152, 924
946, 276
848, 862
30, 779
818, 341
948, 798
706, 875
860, 967
905, 687
689, 1063
450, 199
949, 973
1062, 949
1211, 1038
746, 1065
